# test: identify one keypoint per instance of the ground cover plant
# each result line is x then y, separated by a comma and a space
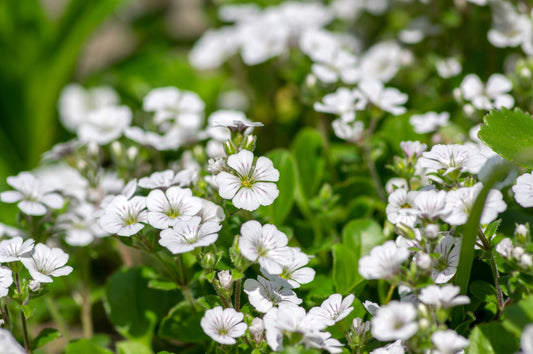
345, 176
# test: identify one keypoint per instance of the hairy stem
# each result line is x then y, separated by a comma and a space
238, 284
494, 268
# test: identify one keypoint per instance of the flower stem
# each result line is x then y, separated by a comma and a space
238, 284
25, 332
390, 293
59, 320
367, 155
494, 268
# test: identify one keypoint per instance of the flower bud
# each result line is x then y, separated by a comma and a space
359, 327
405, 231
225, 279
93, 149
208, 261
521, 233
257, 328
517, 252
249, 142
431, 231
34, 285
117, 150
229, 148
423, 261
132, 153
526, 261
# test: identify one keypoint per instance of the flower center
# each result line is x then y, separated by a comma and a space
246, 182
173, 213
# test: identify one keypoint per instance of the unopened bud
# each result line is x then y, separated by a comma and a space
423, 261
34, 285
208, 261
521, 233
468, 110
431, 231
225, 279
93, 149
517, 252
405, 231
132, 153
526, 261
229, 148
257, 328
359, 327
249, 142
525, 73
117, 150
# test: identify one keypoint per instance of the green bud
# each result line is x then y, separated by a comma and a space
208, 261
249, 142
229, 148
521, 233
405, 231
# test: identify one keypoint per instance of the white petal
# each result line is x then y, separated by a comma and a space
32, 208
228, 185
265, 171
11, 196
241, 162
53, 200
246, 199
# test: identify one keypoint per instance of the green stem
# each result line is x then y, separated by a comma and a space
494, 268
59, 320
238, 284
367, 155
25, 332
390, 293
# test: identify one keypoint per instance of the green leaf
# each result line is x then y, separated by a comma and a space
284, 163
132, 306
483, 291
45, 336
131, 347
492, 338
85, 346
209, 301
510, 134
518, 315
162, 284
308, 152
345, 274
183, 324
361, 235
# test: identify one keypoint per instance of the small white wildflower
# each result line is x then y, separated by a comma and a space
333, 309
189, 234
184, 107
523, 190
448, 342
223, 325
294, 271
449, 67
32, 196
400, 207
6, 279
166, 209
445, 267
263, 293
105, 125
493, 95
443, 297
13, 249
388, 99
124, 217
46, 262
504, 247
383, 262
266, 245
343, 102
429, 122
392, 348
352, 132
251, 185
446, 159
393, 321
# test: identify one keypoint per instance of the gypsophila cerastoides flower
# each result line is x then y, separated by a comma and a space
334, 308
265, 245
6, 279
123, 216
46, 262
448, 342
166, 209
9, 344
383, 262
251, 184
264, 293
395, 320
444, 297
223, 325
12, 250
32, 196
523, 190
189, 234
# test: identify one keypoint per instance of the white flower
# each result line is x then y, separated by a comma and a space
124, 217
445, 267
413, 149
185, 108
6, 279
166, 209
445, 159
400, 207
263, 293
211, 212
294, 271
343, 102
429, 122
222, 122
392, 348
80, 225
9, 344
459, 204
505, 247
448, 342
388, 99
250, 186
523, 190
32, 196
443, 297
381, 62
383, 262
371, 307
449, 67
75, 103
352, 132
214, 48
526, 341
13, 249
266, 245
393, 321
333, 309
159, 179
493, 95
46, 262
189, 234
105, 124
223, 326
430, 204
509, 28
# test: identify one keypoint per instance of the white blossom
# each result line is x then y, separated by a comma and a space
333, 309
448, 342
32, 196
264, 293
124, 217
13, 249
265, 245
429, 122
189, 234
445, 267
400, 207
493, 95
448, 67
383, 262
391, 348
344, 102
46, 262
80, 225
105, 124
6, 279
445, 159
9, 344
166, 209
223, 325
352, 131
505, 247
443, 297
387, 98
221, 123
393, 321
294, 271
523, 190
430, 204
381, 62
250, 185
